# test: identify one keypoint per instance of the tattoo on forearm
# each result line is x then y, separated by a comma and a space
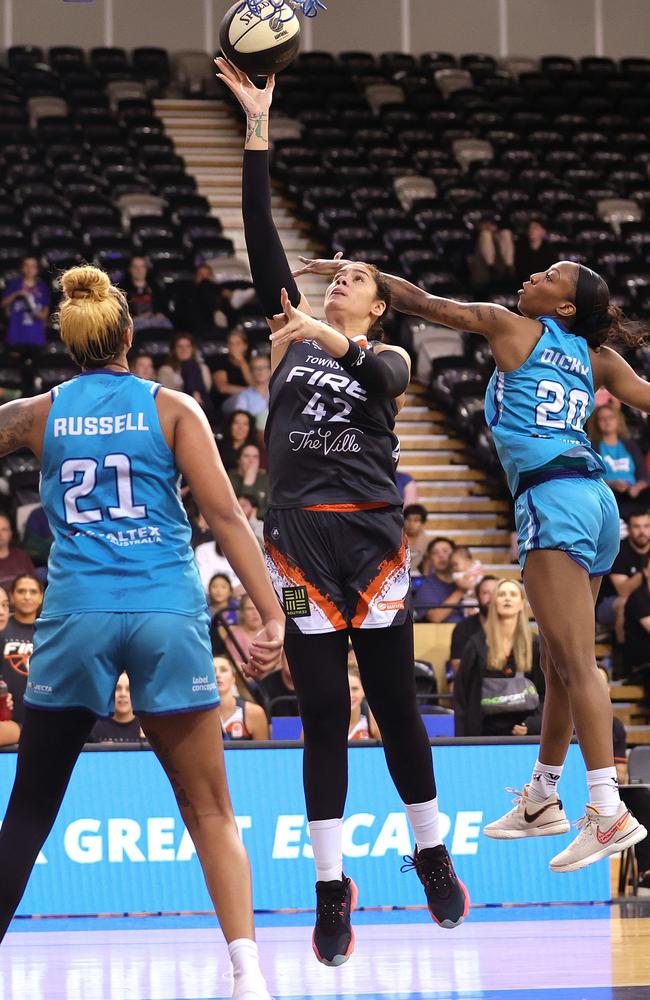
16, 423
164, 756
255, 125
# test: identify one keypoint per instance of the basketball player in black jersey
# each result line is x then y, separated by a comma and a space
335, 544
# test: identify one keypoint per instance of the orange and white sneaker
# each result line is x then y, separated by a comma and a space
529, 818
599, 837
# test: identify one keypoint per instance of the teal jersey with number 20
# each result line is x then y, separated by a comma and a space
109, 487
537, 413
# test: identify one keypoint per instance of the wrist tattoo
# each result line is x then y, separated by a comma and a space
255, 125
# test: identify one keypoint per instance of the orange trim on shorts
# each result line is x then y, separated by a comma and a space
293, 573
343, 507
375, 586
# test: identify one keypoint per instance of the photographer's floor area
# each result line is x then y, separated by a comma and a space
597, 952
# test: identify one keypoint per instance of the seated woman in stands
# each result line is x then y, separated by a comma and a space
626, 471
240, 719
499, 686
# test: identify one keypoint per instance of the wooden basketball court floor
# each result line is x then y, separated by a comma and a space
587, 952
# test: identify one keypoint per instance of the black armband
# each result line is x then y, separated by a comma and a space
385, 374
269, 266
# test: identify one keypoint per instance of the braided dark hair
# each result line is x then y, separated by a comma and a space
596, 319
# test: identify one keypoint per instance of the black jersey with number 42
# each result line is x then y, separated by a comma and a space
328, 441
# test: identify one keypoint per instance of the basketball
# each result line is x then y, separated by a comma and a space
260, 45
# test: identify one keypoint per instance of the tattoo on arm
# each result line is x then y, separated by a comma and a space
16, 424
255, 125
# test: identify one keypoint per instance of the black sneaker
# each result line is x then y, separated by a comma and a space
447, 897
333, 938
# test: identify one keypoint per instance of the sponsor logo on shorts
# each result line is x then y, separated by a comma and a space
203, 684
295, 601
390, 605
39, 688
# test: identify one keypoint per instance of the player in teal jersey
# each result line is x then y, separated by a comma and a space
124, 594
550, 360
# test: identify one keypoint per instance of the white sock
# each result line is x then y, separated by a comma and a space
326, 840
603, 790
544, 780
245, 959
425, 823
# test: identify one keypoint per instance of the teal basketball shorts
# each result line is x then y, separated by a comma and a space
577, 515
78, 658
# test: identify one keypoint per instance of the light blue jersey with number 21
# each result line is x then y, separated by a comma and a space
537, 413
109, 489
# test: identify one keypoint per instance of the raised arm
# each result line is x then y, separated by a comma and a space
268, 261
613, 372
187, 429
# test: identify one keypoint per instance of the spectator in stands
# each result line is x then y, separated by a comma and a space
407, 487
415, 517
37, 538
243, 633
500, 667
436, 597
184, 370
279, 684
636, 648
362, 722
626, 473
465, 568
241, 719
533, 253
249, 505
231, 372
473, 624
626, 574
201, 306
249, 478
210, 560
238, 432
145, 302
123, 726
221, 599
13, 561
27, 303
9, 730
255, 399
620, 739
4, 608
493, 261
17, 638
142, 365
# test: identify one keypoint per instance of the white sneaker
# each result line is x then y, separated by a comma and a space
599, 837
250, 988
529, 818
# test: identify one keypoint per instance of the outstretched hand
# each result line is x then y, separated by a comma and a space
253, 100
326, 268
297, 325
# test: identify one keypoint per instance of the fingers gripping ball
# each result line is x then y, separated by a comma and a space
260, 38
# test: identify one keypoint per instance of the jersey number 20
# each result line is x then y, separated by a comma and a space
86, 468
558, 409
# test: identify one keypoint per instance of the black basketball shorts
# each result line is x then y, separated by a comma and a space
338, 569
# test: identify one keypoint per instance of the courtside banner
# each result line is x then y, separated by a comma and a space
119, 844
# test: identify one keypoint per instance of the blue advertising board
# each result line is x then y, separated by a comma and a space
119, 844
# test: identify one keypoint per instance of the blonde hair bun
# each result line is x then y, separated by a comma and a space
86, 282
